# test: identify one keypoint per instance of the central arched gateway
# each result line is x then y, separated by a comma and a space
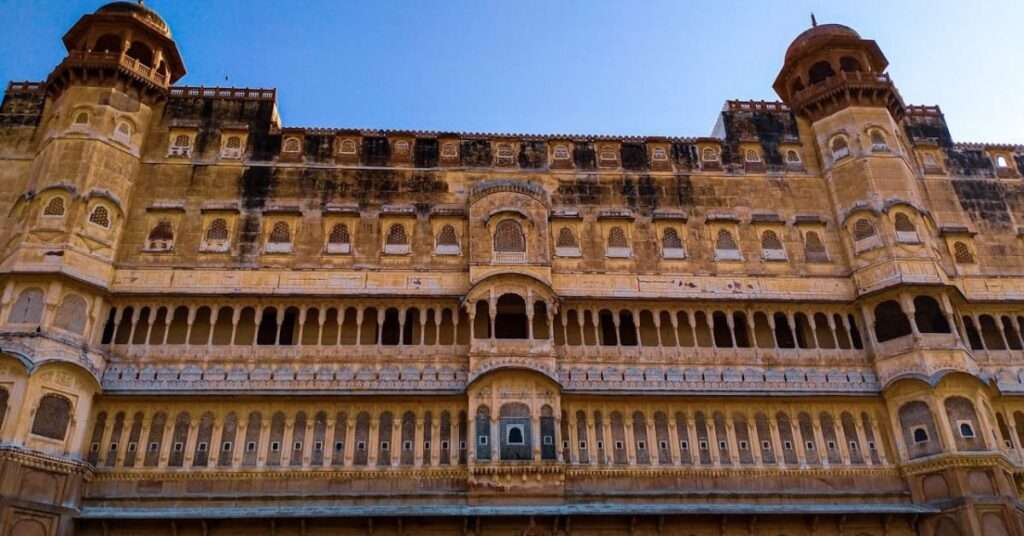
515, 417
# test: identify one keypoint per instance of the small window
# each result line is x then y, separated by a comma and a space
201, 447
397, 242
920, 435
771, 246
407, 445
752, 156
161, 237
297, 445
662, 444
55, 207
831, 445
82, 118
709, 154
583, 444
792, 157
447, 242
600, 445
561, 152
449, 150
814, 248
744, 445
962, 253
787, 445
444, 444
672, 244
514, 435
905, 231
338, 241
347, 147
878, 142
339, 446
123, 132
548, 440
182, 146
684, 445
275, 446
725, 247
566, 244
95, 447
232, 149
618, 245
641, 445
1001, 162
178, 446
280, 239
840, 148
853, 446
250, 446
509, 242
722, 445
154, 446
659, 153
809, 445
619, 445
766, 445
426, 445
402, 147
216, 236
113, 446
360, 445
702, 444
385, 445
100, 216
484, 440
292, 145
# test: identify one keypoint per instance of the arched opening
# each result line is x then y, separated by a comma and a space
890, 321
820, 71
52, 417
840, 147
919, 433
107, 43
509, 242
928, 316
141, 52
390, 334
848, 64
511, 321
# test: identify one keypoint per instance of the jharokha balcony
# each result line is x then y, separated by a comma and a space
86, 61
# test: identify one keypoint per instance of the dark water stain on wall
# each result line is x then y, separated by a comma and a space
533, 155
476, 153
684, 154
634, 156
768, 128
376, 151
256, 185
984, 201
318, 148
425, 153
584, 155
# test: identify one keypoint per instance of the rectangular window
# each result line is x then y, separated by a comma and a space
765, 445
600, 445
339, 446
483, 440
113, 446
179, 446
95, 447
297, 445
662, 444
743, 445
809, 445
444, 445
722, 445
703, 445
250, 446
641, 445
275, 446
684, 445
788, 445
831, 445
407, 445
201, 447
227, 446
154, 446
619, 445
549, 440
426, 445
318, 445
361, 445
385, 445
583, 445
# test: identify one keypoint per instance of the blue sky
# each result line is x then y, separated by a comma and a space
654, 67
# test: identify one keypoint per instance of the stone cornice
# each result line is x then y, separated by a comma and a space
47, 462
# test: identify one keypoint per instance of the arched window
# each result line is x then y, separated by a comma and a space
962, 253
161, 237
28, 309
709, 154
725, 247
55, 207
618, 245
906, 232
920, 435
232, 148
752, 156
814, 248
100, 216
339, 241
52, 417
792, 157
672, 244
820, 71
280, 239
1001, 162
561, 152
509, 242
123, 132
849, 65
396, 242
840, 147
447, 241
181, 140
218, 230
292, 145
928, 316
82, 118
771, 246
511, 320
348, 147
864, 236
71, 314
566, 245
930, 162
878, 141
216, 236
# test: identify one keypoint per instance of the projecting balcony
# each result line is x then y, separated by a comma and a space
847, 87
77, 59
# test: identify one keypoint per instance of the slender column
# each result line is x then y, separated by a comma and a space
754, 440
844, 442
819, 440
776, 441
907, 303
236, 315
216, 438
771, 325
359, 325
814, 330
380, 326
435, 439
167, 325
239, 450
709, 423
287, 447
280, 326
591, 436
798, 439
321, 318
308, 439
417, 442
401, 325
673, 440
329, 439
152, 322
945, 432
656, 317
731, 324
573, 438
691, 435
263, 444
595, 320
535, 420
862, 442
636, 327
492, 310
629, 437
214, 315
302, 325
529, 321
350, 438
373, 440
791, 320
618, 334
423, 327
734, 447
191, 320
134, 322
190, 443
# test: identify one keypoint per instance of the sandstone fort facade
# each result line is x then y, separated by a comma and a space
213, 323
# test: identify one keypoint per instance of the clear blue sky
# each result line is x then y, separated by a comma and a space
656, 67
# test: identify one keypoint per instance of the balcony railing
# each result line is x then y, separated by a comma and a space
124, 61
841, 79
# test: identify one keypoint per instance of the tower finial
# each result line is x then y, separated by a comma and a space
814, 21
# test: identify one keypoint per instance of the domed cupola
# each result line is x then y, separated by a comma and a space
829, 67
123, 41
